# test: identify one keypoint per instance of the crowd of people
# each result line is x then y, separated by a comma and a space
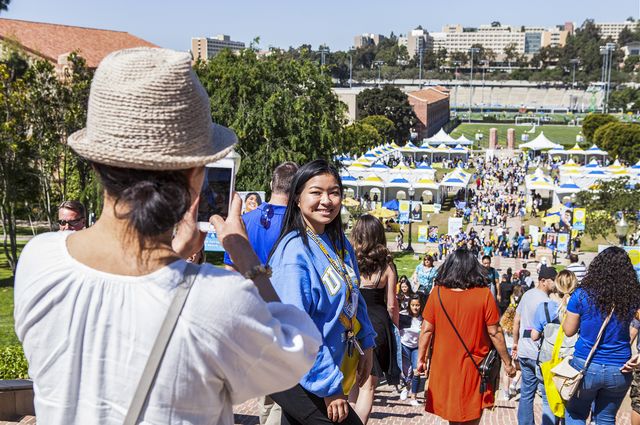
119, 326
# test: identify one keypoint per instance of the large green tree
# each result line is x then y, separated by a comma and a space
602, 205
282, 109
383, 125
360, 137
392, 103
593, 121
620, 140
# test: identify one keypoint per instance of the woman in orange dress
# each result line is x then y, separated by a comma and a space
454, 382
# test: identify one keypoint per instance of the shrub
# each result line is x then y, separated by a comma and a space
13, 364
592, 122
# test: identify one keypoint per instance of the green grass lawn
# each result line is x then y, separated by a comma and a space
562, 134
7, 334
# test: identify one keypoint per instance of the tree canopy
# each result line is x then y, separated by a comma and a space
620, 140
282, 109
592, 122
392, 103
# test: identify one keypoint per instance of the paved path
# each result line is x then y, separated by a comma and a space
389, 410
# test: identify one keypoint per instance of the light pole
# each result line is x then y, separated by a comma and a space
323, 51
420, 52
622, 228
484, 63
379, 65
351, 67
607, 52
412, 192
472, 51
575, 63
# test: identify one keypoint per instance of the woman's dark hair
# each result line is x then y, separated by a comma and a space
461, 270
155, 200
486, 257
256, 194
611, 281
429, 257
410, 291
370, 245
293, 220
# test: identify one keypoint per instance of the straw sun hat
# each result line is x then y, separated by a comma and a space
148, 110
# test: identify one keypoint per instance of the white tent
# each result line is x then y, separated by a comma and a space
441, 137
464, 141
540, 143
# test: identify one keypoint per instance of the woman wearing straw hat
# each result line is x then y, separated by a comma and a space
96, 309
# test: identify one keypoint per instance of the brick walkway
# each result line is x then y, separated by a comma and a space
389, 410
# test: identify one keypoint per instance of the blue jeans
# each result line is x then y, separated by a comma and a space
602, 386
409, 364
532, 381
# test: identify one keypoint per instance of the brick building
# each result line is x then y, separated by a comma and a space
54, 42
431, 106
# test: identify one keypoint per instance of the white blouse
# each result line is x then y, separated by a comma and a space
87, 335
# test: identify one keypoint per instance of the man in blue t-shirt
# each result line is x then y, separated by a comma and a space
264, 223
263, 229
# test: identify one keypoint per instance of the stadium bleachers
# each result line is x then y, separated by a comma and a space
531, 98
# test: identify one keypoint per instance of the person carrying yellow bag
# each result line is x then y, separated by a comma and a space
556, 404
554, 345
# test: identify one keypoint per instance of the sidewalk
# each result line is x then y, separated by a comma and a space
389, 410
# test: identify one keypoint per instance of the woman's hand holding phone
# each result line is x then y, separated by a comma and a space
233, 237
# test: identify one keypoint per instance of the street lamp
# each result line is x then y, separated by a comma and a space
379, 65
323, 51
607, 52
345, 215
350, 68
421, 53
622, 228
412, 192
472, 51
575, 63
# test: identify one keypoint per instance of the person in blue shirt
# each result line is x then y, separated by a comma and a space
610, 285
314, 268
264, 223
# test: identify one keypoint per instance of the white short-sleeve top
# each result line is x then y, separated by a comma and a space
87, 335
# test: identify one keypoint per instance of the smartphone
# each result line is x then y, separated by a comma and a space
217, 192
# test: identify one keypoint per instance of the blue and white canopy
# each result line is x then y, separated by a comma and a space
594, 150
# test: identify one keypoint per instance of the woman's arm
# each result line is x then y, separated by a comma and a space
497, 338
392, 300
535, 335
424, 342
571, 324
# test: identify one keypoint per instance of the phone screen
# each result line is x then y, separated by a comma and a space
216, 190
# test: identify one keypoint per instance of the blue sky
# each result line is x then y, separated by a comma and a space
290, 23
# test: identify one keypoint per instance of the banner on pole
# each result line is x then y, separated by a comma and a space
455, 224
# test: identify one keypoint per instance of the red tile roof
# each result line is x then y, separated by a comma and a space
49, 41
429, 95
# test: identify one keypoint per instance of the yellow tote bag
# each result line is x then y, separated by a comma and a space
553, 396
349, 366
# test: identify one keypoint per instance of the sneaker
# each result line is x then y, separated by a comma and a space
403, 394
414, 402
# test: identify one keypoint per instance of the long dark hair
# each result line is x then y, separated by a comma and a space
293, 220
461, 270
612, 281
370, 245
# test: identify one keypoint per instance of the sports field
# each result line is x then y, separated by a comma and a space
562, 134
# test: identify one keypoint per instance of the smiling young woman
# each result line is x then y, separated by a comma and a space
315, 269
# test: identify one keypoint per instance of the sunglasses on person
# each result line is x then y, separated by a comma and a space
267, 215
70, 222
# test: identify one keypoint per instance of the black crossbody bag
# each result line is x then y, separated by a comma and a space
488, 368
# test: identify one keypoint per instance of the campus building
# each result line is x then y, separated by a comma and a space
204, 48
431, 106
612, 29
526, 40
417, 40
364, 40
54, 42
